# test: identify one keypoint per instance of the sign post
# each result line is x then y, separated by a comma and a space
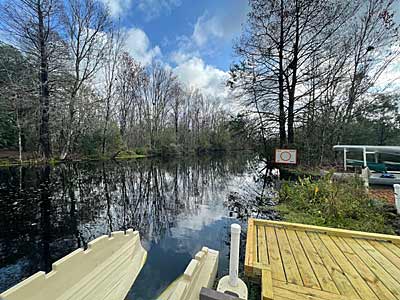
286, 156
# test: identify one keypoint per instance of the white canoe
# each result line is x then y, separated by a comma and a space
105, 271
201, 272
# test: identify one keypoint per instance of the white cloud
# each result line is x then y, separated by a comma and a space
138, 46
206, 28
389, 80
154, 8
220, 26
117, 7
180, 56
195, 73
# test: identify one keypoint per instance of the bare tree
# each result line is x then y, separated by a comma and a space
130, 80
33, 28
178, 96
114, 48
86, 23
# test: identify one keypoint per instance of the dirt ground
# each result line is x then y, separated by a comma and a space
383, 193
14, 155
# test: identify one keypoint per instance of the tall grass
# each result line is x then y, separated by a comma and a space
339, 204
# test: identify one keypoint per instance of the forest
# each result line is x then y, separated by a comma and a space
70, 89
306, 74
312, 74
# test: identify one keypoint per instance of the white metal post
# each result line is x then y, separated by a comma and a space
397, 196
345, 159
232, 284
234, 257
365, 156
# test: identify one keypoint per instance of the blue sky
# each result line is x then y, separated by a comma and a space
194, 37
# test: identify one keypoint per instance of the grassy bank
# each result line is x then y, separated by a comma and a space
338, 204
300, 171
123, 155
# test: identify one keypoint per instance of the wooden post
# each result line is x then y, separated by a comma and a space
397, 196
365, 176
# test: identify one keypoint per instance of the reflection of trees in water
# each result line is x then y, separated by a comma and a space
48, 212
150, 195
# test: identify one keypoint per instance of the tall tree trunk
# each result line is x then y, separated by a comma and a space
70, 127
292, 87
282, 116
44, 132
176, 127
105, 127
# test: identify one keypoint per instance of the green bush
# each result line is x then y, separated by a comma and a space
324, 202
91, 143
142, 150
8, 130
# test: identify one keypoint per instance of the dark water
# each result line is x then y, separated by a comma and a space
177, 206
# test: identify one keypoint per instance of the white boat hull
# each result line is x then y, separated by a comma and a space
376, 179
105, 271
201, 272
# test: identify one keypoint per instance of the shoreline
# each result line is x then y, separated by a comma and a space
8, 162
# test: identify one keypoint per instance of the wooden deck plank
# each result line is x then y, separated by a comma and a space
386, 252
249, 255
331, 231
266, 284
262, 246
376, 268
381, 259
281, 292
256, 246
287, 294
289, 263
311, 292
325, 280
304, 266
369, 277
299, 262
392, 247
274, 255
342, 283
351, 273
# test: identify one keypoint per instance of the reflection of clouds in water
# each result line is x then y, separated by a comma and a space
204, 216
190, 230
178, 208
242, 183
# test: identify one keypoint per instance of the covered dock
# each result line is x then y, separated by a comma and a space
295, 261
367, 150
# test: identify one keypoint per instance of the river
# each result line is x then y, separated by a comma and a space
178, 206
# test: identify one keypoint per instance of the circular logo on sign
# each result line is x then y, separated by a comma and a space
286, 156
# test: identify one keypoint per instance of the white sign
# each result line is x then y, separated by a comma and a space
286, 156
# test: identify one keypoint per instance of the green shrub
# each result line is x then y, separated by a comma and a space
329, 203
91, 143
142, 150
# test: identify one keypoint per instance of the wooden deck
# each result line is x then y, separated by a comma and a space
307, 262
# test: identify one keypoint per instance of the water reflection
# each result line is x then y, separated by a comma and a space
178, 206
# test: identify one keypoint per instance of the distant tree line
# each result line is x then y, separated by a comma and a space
308, 74
70, 88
